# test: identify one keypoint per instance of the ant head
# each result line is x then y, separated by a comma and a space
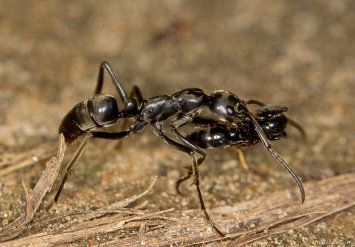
227, 107
130, 108
103, 109
272, 121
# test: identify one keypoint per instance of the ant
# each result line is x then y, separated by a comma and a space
218, 135
102, 110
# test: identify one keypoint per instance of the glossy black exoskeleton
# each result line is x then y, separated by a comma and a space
102, 110
216, 135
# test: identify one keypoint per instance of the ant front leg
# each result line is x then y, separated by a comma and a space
158, 130
178, 122
190, 169
181, 120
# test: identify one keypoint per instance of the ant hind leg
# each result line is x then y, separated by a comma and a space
69, 169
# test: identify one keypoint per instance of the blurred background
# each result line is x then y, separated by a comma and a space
298, 54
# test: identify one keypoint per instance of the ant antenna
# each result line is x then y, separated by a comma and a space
267, 145
116, 83
297, 126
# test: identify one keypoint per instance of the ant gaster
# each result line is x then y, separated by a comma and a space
101, 110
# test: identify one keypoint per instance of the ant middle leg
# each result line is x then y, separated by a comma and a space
199, 161
193, 170
178, 122
196, 175
157, 127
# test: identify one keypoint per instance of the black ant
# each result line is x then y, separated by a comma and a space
219, 135
101, 110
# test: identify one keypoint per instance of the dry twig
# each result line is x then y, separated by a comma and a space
11, 162
34, 197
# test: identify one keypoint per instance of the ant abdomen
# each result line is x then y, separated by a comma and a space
209, 137
101, 110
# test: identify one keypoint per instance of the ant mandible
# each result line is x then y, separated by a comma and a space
101, 110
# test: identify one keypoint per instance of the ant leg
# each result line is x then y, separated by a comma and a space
194, 168
103, 135
255, 102
105, 65
195, 172
204, 121
290, 170
267, 146
182, 179
297, 126
208, 122
135, 127
158, 130
199, 161
191, 145
70, 168
242, 159
180, 121
197, 184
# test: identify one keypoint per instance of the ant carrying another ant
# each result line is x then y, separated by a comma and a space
233, 124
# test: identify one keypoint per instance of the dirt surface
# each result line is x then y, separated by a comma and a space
298, 54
